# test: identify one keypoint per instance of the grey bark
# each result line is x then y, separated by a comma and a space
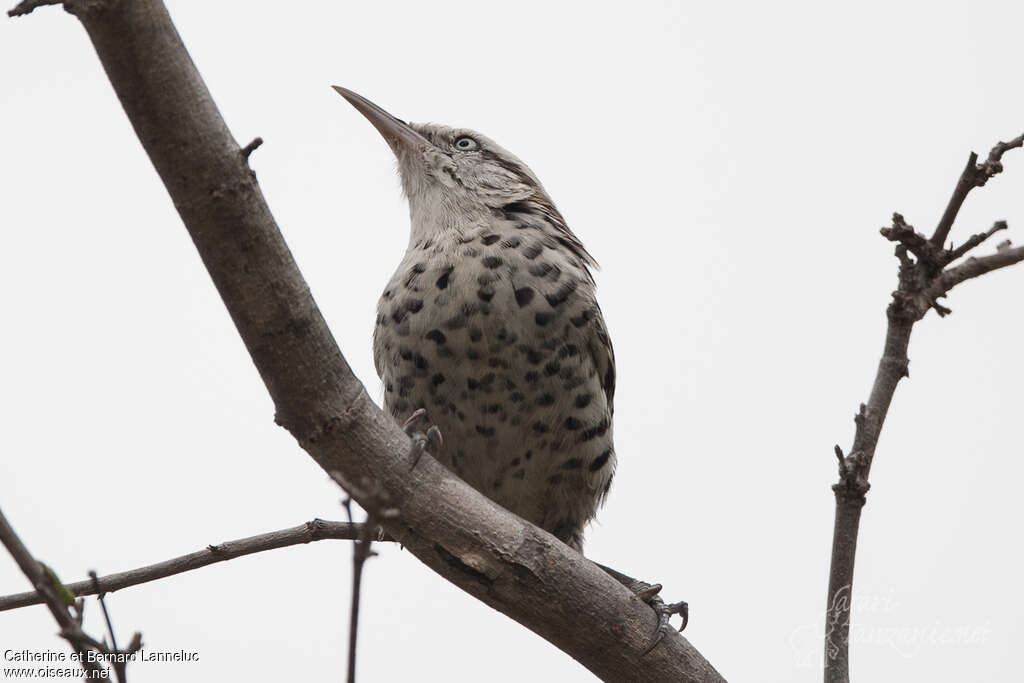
491, 554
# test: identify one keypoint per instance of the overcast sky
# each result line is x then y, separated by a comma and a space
728, 164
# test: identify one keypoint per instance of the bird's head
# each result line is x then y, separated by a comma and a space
452, 175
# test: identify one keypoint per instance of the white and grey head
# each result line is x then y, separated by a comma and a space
456, 179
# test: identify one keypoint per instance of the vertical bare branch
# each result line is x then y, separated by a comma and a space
924, 278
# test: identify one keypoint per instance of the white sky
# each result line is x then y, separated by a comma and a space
728, 164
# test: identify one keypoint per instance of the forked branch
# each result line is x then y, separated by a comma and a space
925, 276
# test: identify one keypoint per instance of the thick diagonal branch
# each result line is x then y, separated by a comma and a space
485, 550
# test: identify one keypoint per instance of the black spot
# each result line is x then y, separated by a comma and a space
582, 400
572, 464
487, 379
573, 382
581, 319
484, 431
498, 363
600, 461
442, 282
472, 383
594, 432
405, 354
541, 269
490, 239
511, 243
529, 454
540, 427
524, 295
398, 315
437, 379
494, 408
563, 293
568, 350
533, 251
572, 424
436, 336
546, 400
531, 376
428, 244
534, 357
552, 368
543, 318
486, 278
414, 305
455, 322
473, 354
566, 372
609, 380
387, 294
555, 479
516, 397
419, 268
475, 334
420, 362
491, 262
485, 293
517, 207
389, 387
470, 309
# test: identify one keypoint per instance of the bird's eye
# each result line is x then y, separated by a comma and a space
466, 144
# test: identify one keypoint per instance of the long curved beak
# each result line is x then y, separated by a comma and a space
399, 136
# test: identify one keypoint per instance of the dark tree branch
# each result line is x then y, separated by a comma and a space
26, 6
973, 241
57, 599
922, 282
251, 147
316, 530
487, 551
974, 175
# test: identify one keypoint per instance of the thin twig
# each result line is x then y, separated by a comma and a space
315, 530
922, 282
251, 147
361, 552
103, 605
973, 241
974, 175
46, 590
26, 6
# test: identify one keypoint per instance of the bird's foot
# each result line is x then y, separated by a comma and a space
649, 593
422, 441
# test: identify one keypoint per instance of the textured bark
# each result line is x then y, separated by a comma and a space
485, 550
923, 280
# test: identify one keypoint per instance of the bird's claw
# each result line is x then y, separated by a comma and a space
649, 594
422, 442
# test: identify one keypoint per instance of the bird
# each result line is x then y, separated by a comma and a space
491, 329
